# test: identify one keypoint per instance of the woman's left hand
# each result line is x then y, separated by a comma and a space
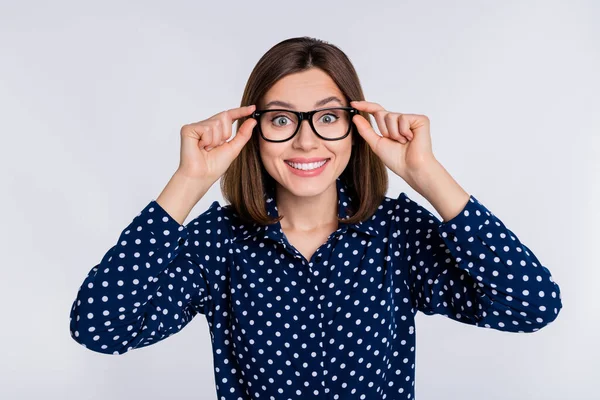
405, 146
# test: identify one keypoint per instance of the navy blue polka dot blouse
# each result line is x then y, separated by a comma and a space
338, 326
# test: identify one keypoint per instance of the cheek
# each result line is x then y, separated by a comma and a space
268, 154
343, 151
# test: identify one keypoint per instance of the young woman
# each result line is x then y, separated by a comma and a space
310, 278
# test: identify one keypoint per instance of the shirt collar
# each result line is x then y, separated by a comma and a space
275, 232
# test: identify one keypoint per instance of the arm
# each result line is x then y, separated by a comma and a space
147, 287
474, 270
471, 267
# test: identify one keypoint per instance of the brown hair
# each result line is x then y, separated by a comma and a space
244, 183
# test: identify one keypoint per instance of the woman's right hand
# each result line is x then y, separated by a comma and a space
205, 151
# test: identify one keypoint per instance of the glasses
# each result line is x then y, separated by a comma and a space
278, 125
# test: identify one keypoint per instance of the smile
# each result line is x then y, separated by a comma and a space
307, 166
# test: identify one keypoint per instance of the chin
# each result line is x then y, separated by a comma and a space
307, 187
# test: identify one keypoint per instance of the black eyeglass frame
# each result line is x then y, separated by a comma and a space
303, 115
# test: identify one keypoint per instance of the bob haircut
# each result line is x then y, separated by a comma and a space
245, 181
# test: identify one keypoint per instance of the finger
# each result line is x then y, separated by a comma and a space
366, 131
237, 113
367, 106
380, 119
217, 133
404, 123
242, 136
391, 120
226, 131
205, 136
378, 112
227, 119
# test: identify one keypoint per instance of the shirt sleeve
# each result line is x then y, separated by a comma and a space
146, 287
474, 270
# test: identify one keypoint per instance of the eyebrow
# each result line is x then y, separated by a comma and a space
317, 104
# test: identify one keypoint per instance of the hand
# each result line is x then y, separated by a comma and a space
405, 146
205, 152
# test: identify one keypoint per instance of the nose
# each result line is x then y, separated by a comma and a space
305, 138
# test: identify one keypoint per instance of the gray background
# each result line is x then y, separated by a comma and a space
92, 97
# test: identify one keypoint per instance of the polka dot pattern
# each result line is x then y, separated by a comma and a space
338, 326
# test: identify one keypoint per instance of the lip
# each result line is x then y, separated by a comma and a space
306, 160
312, 172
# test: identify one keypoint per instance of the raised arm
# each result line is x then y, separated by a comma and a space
473, 269
148, 286
151, 283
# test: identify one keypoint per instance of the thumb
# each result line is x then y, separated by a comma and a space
366, 131
243, 134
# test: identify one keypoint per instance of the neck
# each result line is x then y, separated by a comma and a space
307, 213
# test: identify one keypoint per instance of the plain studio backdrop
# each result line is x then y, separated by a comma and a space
92, 98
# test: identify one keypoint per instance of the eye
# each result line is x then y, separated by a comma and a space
327, 121
279, 117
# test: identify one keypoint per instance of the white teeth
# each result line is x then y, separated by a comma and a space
307, 166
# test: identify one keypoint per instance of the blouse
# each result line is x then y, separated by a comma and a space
338, 326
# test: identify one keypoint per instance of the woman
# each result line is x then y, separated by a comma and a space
310, 278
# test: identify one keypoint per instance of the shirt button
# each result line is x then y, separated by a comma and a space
181, 241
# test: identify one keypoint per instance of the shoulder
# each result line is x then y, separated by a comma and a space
402, 211
212, 216
396, 206
212, 222
218, 219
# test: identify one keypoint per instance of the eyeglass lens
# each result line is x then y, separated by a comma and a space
280, 125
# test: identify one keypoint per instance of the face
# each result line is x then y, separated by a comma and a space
303, 91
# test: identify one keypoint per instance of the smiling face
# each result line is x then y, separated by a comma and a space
303, 91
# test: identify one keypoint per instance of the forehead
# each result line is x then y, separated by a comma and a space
303, 89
